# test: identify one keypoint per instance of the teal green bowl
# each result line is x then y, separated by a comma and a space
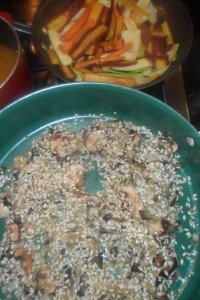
27, 118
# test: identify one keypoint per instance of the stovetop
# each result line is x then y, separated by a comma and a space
181, 90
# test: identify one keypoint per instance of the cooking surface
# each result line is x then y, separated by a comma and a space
187, 78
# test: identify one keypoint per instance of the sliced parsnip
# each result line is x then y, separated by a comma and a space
141, 64
167, 32
64, 58
100, 77
58, 23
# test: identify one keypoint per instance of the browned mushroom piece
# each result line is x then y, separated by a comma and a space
158, 227
119, 122
144, 215
132, 197
135, 138
158, 260
44, 283
26, 259
166, 272
74, 174
15, 232
20, 162
58, 144
96, 141
136, 266
17, 218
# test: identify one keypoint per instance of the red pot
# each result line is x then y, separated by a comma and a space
19, 81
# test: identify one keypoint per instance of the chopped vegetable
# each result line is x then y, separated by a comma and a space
167, 33
100, 77
111, 38
59, 21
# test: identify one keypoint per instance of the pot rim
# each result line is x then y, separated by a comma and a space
18, 51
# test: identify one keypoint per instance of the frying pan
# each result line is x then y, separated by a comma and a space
25, 119
173, 11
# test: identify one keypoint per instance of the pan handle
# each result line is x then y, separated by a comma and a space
23, 28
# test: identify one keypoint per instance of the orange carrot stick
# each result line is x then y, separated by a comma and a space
101, 77
95, 34
67, 72
96, 12
86, 63
105, 15
91, 22
77, 25
58, 22
119, 26
111, 30
117, 53
68, 46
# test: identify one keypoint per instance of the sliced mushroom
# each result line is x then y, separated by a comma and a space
132, 197
135, 138
6, 202
17, 219
44, 283
173, 265
166, 272
136, 266
144, 215
74, 174
83, 285
158, 260
119, 122
158, 227
96, 141
15, 232
20, 162
26, 259
58, 145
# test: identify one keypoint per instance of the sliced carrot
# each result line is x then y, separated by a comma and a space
117, 53
111, 46
96, 12
119, 26
113, 61
111, 30
98, 52
67, 72
58, 22
84, 70
91, 50
68, 46
95, 34
93, 18
118, 43
101, 77
86, 63
105, 15
97, 69
78, 25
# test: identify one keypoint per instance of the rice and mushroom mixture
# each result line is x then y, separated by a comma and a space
63, 243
